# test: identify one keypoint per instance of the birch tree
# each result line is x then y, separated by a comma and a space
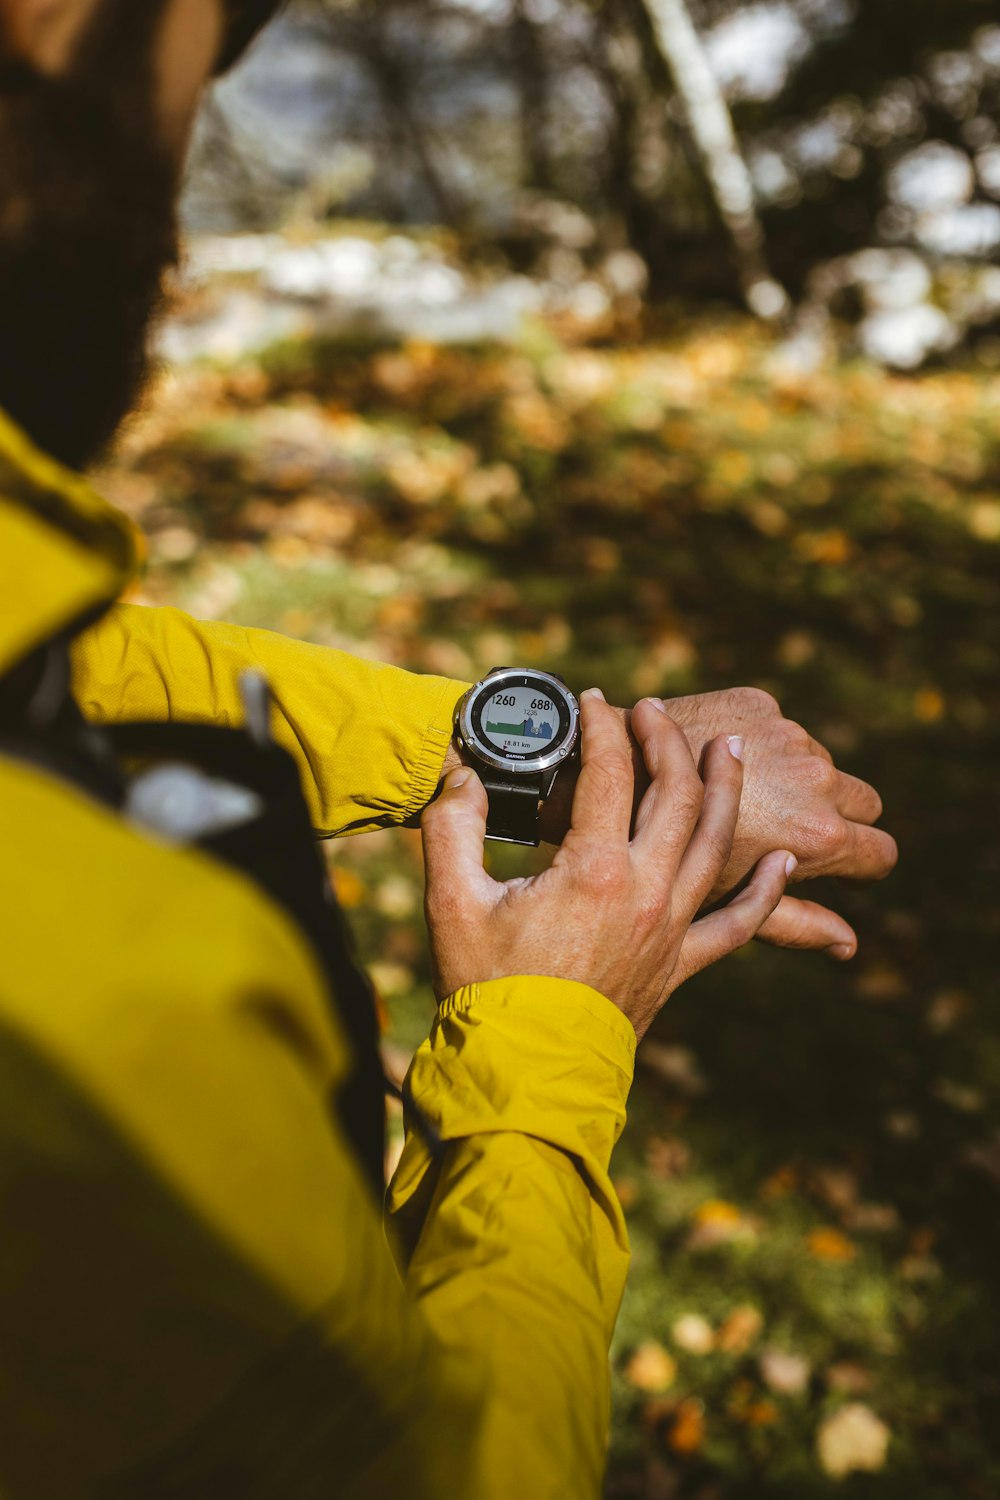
715, 140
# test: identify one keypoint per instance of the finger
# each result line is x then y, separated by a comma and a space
454, 833
602, 801
806, 924
815, 748
864, 854
672, 803
733, 925
712, 841
855, 800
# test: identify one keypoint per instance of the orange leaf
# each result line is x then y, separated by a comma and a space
687, 1435
830, 1244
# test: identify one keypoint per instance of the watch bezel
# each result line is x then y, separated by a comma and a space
469, 720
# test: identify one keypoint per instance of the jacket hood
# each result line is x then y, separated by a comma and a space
65, 554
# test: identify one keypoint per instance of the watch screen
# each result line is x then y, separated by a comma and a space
521, 721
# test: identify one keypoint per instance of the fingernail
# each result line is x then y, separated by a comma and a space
658, 704
735, 743
457, 778
593, 693
841, 951
791, 864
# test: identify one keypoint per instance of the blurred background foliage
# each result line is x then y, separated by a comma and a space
460, 369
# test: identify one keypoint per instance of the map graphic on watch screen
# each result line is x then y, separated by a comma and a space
521, 720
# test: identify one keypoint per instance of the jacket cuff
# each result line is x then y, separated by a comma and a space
429, 759
538, 1056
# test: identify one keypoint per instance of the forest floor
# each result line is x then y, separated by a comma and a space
811, 1169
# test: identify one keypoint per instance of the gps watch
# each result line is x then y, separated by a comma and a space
517, 726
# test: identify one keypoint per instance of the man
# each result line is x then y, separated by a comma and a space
195, 1295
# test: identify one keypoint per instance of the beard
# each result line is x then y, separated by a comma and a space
87, 230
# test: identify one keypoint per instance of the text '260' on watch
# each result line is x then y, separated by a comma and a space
518, 726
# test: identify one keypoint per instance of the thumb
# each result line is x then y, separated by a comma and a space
454, 832
806, 924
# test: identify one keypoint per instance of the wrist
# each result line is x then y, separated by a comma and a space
556, 814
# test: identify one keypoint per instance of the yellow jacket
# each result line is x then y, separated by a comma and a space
196, 1294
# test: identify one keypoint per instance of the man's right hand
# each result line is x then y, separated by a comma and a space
614, 912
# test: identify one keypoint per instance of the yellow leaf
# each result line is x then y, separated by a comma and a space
348, 886
984, 520
716, 1211
733, 468
928, 706
650, 1368
830, 1244
829, 548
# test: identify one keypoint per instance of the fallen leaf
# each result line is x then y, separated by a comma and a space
740, 1329
964, 1097
651, 1368
852, 1440
902, 1125
830, 1244
391, 979
626, 1191
946, 1009
687, 1435
850, 1378
872, 1218
668, 1156
828, 548
780, 1183
717, 1212
837, 1187
984, 520
762, 1413
693, 1334
787, 1374
349, 888
395, 897
718, 1223
676, 1066
881, 982
928, 706
919, 1268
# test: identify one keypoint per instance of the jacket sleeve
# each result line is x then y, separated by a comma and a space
370, 739
513, 1241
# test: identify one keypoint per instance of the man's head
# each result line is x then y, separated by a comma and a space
97, 101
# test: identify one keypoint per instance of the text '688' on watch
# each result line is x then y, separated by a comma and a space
518, 726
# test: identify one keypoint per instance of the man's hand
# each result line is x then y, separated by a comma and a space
793, 797
616, 909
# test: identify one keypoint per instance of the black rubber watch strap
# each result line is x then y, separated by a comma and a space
513, 814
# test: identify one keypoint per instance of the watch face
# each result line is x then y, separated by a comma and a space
526, 721
520, 720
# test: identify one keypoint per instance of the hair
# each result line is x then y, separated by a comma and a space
244, 19
87, 229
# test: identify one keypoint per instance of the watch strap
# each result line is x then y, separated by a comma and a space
514, 808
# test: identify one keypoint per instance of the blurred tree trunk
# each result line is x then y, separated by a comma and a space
402, 113
713, 134
631, 93
533, 87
